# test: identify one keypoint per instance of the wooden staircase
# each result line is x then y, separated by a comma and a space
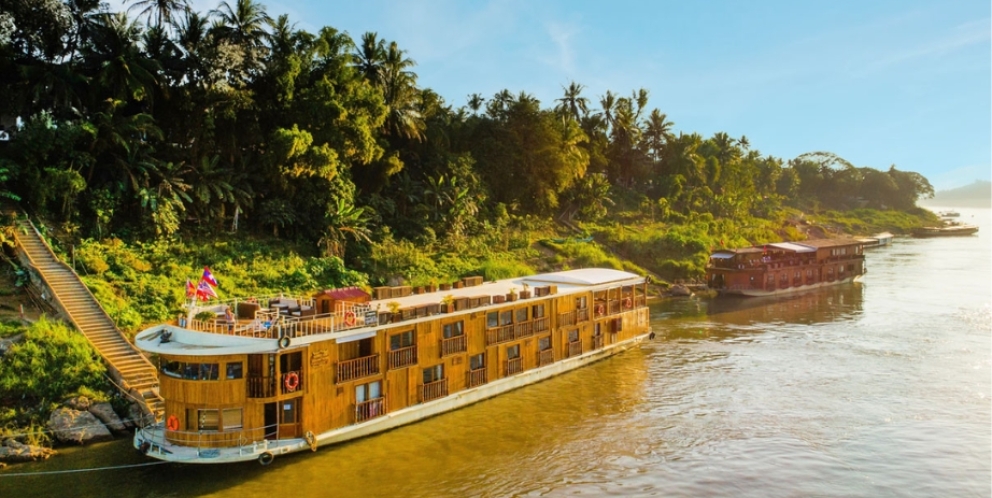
134, 374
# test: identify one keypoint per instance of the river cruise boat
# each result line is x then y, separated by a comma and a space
948, 229
258, 378
785, 267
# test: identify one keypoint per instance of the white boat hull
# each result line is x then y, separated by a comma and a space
787, 290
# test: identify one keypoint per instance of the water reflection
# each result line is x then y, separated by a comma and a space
728, 317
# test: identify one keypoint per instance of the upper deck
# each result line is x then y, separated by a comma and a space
260, 322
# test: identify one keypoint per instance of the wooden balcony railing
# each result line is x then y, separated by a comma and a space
525, 329
261, 387
403, 357
292, 382
568, 318
370, 409
476, 377
545, 357
433, 390
640, 301
499, 334
357, 368
453, 345
583, 314
574, 349
615, 306
514, 365
541, 324
597, 342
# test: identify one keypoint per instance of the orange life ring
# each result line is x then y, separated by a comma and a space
349, 318
626, 303
600, 309
172, 423
292, 381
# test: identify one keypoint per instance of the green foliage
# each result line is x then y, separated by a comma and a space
10, 328
51, 363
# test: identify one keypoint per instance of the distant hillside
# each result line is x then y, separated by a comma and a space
978, 195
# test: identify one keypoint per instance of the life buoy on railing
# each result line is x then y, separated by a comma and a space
292, 381
266, 458
600, 309
349, 318
172, 423
626, 303
284, 342
311, 440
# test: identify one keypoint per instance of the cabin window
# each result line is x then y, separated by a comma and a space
850, 267
616, 325
433, 374
172, 369
537, 311
544, 344
599, 329
506, 317
771, 278
521, 315
809, 273
513, 352
492, 320
207, 420
580, 303
573, 335
235, 370
453, 329
292, 362
401, 340
365, 392
232, 418
477, 362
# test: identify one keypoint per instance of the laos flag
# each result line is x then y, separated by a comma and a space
208, 277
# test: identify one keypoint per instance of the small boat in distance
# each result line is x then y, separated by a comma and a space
877, 240
282, 375
949, 214
949, 229
784, 267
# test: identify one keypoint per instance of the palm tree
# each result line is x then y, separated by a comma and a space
475, 102
161, 11
371, 57
608, 102
573, 104
344, 219
115, 56
400, 91
657, 132
243, 25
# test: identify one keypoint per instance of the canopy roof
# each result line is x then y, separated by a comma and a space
793, 247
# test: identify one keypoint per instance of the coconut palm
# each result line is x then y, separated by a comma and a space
114, 55
573, 104
162, 11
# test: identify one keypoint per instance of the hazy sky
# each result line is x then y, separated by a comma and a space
878, 82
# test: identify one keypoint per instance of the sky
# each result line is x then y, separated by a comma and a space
879, 83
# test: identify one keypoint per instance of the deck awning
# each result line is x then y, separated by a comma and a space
722, 255
789, 246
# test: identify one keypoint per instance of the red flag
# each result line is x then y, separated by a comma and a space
204, 291
190, 290
208, 277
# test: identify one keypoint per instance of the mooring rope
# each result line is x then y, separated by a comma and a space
76, 471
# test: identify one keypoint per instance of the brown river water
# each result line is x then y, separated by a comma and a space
878, 388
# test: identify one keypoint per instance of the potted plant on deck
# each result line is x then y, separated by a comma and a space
525, 293
512, 295
447, 304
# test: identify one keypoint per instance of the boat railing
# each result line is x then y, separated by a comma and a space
433, 390
370, 409
541, 324
453, 345
357, 368
574, 349
614, 306
292, 381
597, 341
476, 377
497, 335
209, 442
568, 318
583, 314
514, 365
525, 329
403, 357
545, 357
261, 387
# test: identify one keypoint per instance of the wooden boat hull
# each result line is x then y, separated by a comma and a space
945, 231
788, 290
151, 440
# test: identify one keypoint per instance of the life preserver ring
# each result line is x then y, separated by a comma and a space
349, 318
266, 458
311, 440
284, 342
626, 303
600, 309
292, 381
172, 423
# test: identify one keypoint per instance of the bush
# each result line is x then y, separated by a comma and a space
52, 363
